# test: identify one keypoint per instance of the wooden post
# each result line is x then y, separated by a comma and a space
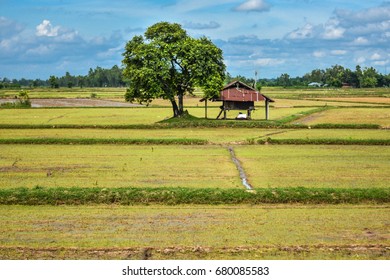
266, 109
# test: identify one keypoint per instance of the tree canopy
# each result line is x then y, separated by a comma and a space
167, 63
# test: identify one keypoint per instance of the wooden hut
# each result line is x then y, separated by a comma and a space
239, 96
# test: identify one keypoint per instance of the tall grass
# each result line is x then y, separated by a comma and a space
172, 196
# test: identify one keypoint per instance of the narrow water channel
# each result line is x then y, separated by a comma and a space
243, 177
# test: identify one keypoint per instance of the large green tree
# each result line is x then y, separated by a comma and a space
167, 63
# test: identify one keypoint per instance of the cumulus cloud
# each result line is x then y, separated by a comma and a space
201, 26
372, 15
46, 29
253, 6
332, 29
56, 46
336, 40
304, 32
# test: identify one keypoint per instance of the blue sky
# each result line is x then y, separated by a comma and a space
39, 38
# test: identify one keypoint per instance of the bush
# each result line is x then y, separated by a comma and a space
23, 101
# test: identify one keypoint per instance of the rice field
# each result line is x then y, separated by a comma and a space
115, 116
116, 166
192, 232
193, 167
379, 116
225, 135
329, 166
236, 230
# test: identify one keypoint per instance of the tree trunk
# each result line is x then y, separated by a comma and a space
181, 106
175, 108
178, 109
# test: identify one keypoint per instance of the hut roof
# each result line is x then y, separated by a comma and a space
238, 91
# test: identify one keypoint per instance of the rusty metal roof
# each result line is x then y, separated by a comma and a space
238, 91
234, 94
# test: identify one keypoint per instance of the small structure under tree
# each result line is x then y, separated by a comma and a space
239, 96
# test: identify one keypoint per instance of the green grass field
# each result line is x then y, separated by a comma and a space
116, 166
118, 116
219, 135
193, 167
193, 232
379, 116
316, 166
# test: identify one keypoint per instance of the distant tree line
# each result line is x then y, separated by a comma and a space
335, 76
98, 77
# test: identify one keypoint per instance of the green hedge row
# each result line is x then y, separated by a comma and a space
172, 196
195, 124
322, 141
91, 141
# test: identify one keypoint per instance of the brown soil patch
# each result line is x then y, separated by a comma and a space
182, 252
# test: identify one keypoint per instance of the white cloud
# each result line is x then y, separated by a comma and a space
376, 56
333, 32
338, 52
366, 16
301, 33
381, 62
40, 50
319, 54
360, 60
268, 62
360, 41
46, 29
254, 6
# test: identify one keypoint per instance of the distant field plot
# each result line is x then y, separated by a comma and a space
279, 102
118, 116
69, 92
316, 166
373, 100
330, 134
279, 92
380, 116
84, 116
116, 166
193, 232
213, 135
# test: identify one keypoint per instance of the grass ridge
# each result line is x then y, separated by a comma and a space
172, 196
321, 141
91, 141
